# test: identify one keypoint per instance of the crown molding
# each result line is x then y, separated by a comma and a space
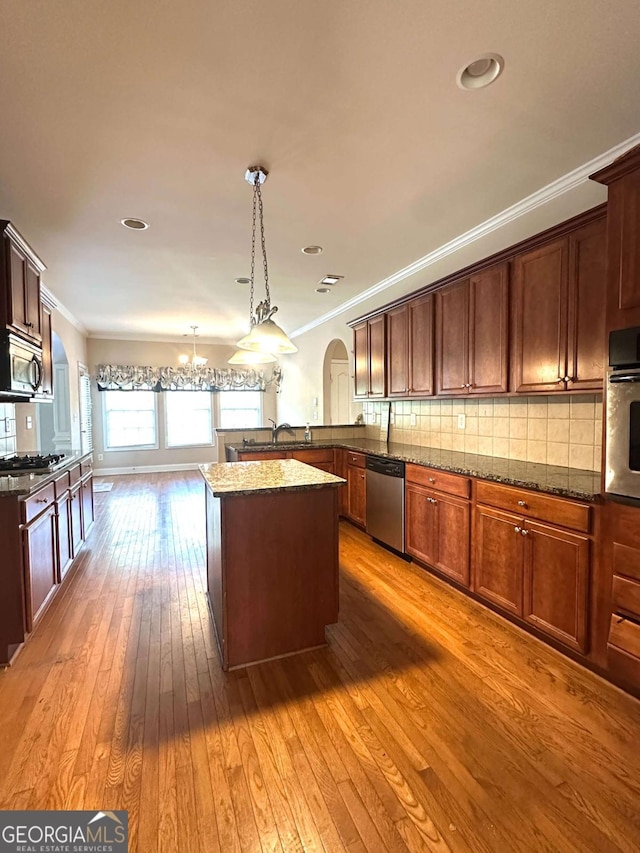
556, 188
155, 339
54, 302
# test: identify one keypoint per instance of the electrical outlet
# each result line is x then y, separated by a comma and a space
462, 419
29, 422
414, 419
100, 457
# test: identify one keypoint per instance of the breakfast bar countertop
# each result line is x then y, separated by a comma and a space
553, 479
226, 479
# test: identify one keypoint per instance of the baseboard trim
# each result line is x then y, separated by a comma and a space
146, 469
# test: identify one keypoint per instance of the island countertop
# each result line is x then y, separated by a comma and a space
226, 479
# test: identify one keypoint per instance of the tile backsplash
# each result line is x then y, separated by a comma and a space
7, 429
561, 430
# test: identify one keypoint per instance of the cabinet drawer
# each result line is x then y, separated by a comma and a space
34, 505
261, 455
61, 484
74, 475
358, 460
625, 635
452, 484
560, 511
311, 457
626, 560
86, 465
626, 595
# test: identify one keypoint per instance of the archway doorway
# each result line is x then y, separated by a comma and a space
54, 419
336, 383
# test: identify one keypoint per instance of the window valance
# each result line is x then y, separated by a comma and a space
131, 377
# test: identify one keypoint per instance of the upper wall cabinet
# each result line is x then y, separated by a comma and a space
472, 334
410, 349
20, 270
558, 313
370, 358
623, 239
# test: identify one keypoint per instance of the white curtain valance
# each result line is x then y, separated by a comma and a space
131, 377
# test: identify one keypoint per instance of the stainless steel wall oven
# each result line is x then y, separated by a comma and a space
622, 432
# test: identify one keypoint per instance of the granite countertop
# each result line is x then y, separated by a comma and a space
226, 479
22, 485
566, 482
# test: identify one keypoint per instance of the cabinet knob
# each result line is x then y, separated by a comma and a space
432, 479
463, 385
42, 501
468, 385
568, 378
524, 532
518, 529
561, 379
522, 503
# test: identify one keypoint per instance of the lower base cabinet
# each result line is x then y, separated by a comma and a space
87, 505
65, 545
75, 503
437, 531
535, 571
40, 559
357, 495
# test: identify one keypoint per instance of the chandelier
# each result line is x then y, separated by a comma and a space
195, 360
265, 336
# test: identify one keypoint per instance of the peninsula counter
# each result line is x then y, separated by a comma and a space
272, 557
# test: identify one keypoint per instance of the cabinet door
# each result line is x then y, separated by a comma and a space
623, 250
45, 392
377, 357
17, 270
498, 559
361, 359
75, 500
398, 351
489, 331
357, 495
63, 535
40, 563
32, 300
421, 524
586, 356
343, 491
540, 318
421, 346
556, 575
453, 515
87, 506
452, 339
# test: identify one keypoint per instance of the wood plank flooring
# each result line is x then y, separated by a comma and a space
427, 724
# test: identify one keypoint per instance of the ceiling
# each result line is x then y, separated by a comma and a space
154, 109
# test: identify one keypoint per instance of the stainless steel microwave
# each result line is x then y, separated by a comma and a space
20, 367
622, 432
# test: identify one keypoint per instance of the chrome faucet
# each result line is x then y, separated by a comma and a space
276, 430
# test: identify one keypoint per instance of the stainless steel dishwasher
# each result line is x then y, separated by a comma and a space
385, 501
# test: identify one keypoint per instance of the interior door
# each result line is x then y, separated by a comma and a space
339, 378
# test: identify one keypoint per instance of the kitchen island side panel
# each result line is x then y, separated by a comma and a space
280, 567
215, 583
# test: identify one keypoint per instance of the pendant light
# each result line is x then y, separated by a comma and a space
247, 356
195, 360
265, 336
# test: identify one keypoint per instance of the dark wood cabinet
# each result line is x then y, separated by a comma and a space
556, 580
499, 554
75, 503
63, 534
369, 345
421, 342
398, 352
40, 562
357, 495
452, 339
87, 505
540, 286
437, 531
45, 391
20, 272
534, 570
472, 334
623, 239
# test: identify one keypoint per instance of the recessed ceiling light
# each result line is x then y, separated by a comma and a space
323, 290
243, 280
481, 72
312, 250
331, 279
134, 224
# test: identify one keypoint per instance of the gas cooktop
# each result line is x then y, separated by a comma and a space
28, 464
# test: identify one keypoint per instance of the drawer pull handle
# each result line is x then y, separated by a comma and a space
42, 501
522, 503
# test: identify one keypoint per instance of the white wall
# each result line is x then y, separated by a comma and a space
155, 354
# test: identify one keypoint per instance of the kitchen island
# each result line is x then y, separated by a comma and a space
272, 557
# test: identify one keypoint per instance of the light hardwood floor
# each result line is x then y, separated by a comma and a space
427, 723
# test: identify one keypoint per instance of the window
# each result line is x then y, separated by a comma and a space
240, 409
188, 418
130, 419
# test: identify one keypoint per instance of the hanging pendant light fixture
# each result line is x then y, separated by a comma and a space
265, 336
247, 356
195, 360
